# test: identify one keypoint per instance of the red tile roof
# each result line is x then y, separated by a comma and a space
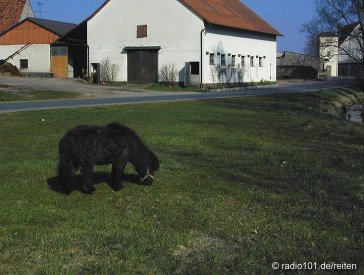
10, 13
227, 13
230, 13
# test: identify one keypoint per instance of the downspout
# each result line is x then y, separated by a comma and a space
201, 58
88, 62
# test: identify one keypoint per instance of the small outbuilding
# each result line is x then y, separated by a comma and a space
26, 45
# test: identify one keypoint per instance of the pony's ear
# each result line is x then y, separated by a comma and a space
155, 163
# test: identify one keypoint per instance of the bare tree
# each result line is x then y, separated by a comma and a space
214, 70
114, 70
231, 73
334, 16
108, 70
241, 73
105, 69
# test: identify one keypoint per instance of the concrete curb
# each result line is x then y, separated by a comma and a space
243, 88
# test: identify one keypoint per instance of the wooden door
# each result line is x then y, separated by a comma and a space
134, 67
60, 66
142, 66
59, 62
329, 70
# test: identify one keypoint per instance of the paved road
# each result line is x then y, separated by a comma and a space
136, 98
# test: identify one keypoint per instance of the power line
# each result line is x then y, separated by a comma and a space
40, 4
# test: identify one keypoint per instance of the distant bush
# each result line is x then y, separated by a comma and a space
296, 72
7, 68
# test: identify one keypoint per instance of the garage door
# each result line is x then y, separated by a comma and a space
142, 66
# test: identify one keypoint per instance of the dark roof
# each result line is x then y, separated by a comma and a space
345, 31
328, 34
57, 27
76, 36
230, 13
227, 13
131, 48
10, 13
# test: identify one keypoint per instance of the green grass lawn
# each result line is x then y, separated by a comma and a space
6, 96
243, 183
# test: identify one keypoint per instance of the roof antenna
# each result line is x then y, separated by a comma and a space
40, 4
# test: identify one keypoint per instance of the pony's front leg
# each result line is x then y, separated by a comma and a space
117, 175
86, 173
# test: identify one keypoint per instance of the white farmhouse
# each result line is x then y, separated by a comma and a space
210, 41
350, 50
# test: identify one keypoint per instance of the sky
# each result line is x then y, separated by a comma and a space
287, 16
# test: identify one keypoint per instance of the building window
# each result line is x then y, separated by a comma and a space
212, 59
59, 51
260, 61
223, 60
142, 31
233, 60
243, 61
23, 63
252, 61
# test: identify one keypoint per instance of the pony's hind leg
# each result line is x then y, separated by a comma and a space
68, 182
65, 173
86, 173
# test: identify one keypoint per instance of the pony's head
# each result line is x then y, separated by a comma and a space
147, 173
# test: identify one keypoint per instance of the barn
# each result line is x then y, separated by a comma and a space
27, 45
207, 42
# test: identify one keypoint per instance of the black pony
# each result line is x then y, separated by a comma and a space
86, 145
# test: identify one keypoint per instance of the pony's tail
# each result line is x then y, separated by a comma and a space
65, 167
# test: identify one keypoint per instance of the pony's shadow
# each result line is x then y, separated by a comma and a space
55, 183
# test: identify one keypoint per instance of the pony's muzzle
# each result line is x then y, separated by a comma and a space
147, 179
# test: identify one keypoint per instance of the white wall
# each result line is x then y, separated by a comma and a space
38, 56
27, 11
176, 30
170, 25
218, 40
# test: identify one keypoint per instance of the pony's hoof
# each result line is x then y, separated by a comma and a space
117, 187
89, 190
66, 190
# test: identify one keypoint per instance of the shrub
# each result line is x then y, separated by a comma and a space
108, 71
168, 74
296, 72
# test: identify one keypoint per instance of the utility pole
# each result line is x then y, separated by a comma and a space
40, 4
